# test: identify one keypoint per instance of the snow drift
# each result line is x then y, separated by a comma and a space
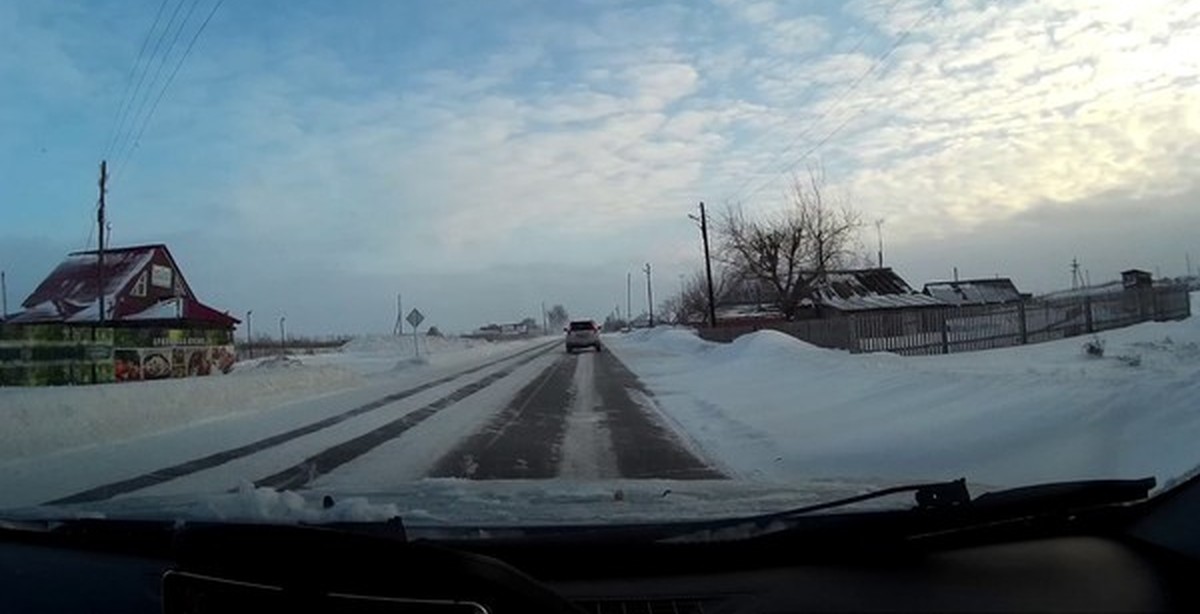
37, 421
773, 408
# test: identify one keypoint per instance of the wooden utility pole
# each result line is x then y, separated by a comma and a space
649, 296
712, 302
879, 236
4, 297
398, 329
629, 298
100, 281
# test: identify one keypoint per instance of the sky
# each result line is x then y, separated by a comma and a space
312, 159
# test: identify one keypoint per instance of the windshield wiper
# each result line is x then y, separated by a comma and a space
949, 503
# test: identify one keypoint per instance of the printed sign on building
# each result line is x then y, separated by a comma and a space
160, 276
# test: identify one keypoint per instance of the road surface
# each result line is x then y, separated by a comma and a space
534, 413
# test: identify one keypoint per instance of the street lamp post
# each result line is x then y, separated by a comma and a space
282, 337
249, 335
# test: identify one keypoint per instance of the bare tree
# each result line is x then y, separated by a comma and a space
558, 316
790, 252
670, 310
693, 308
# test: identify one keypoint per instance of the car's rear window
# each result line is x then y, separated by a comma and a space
589, 325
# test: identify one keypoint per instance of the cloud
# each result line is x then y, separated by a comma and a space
584, 133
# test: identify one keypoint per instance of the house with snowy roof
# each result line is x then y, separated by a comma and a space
125, 314
836, 293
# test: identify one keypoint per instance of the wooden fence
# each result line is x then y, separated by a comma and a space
942, 330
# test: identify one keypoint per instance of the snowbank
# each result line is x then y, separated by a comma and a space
36, 421
372, 355
773, 408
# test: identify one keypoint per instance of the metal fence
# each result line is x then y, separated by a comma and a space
942, 330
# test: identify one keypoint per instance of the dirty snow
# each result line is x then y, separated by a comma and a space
772, 408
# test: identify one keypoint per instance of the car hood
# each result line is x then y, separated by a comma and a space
456, 503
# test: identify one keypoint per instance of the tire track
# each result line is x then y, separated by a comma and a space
644, 446
524, 440
166, 474
333, 457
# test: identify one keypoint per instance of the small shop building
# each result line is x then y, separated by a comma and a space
126, 314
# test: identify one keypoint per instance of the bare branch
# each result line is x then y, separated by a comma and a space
791, 252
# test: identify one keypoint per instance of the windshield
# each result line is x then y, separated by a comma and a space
314, 261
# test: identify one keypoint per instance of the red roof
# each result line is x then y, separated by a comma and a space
141, 283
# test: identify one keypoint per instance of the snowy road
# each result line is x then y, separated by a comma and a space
533, 413
578, 419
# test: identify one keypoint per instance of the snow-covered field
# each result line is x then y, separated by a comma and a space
38, 421
772, 408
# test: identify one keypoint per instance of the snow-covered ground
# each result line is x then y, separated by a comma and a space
38, 421
772, 408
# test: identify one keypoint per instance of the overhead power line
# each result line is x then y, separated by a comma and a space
768, 130
138, 118
137, 89
167, 84
112, 134
836, 106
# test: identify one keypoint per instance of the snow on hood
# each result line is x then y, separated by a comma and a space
498, 503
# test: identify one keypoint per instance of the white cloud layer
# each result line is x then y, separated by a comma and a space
584, 141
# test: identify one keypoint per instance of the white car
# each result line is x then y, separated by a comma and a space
582, 334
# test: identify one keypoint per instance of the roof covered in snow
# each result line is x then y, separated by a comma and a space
842, 290
76, 279
867, 289
974, 291
137, 284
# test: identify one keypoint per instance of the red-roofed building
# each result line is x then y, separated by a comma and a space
152, 325
142, 286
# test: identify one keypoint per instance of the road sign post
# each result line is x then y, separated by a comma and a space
415, 318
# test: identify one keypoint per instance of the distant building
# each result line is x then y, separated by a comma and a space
153, 326
494, 332
1136, 278
994, 291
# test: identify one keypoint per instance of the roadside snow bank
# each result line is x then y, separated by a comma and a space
774, 408
36, 421
383, 354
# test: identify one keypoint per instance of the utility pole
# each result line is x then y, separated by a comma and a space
879, 235
282, 337
249, 334
4, 296
629, 299
100, 282
545, 320
398, 329
679, 309
712, 303
1075, 273
649, 296
1188, 257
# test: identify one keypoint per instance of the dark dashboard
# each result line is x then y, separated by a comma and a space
1131, 557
